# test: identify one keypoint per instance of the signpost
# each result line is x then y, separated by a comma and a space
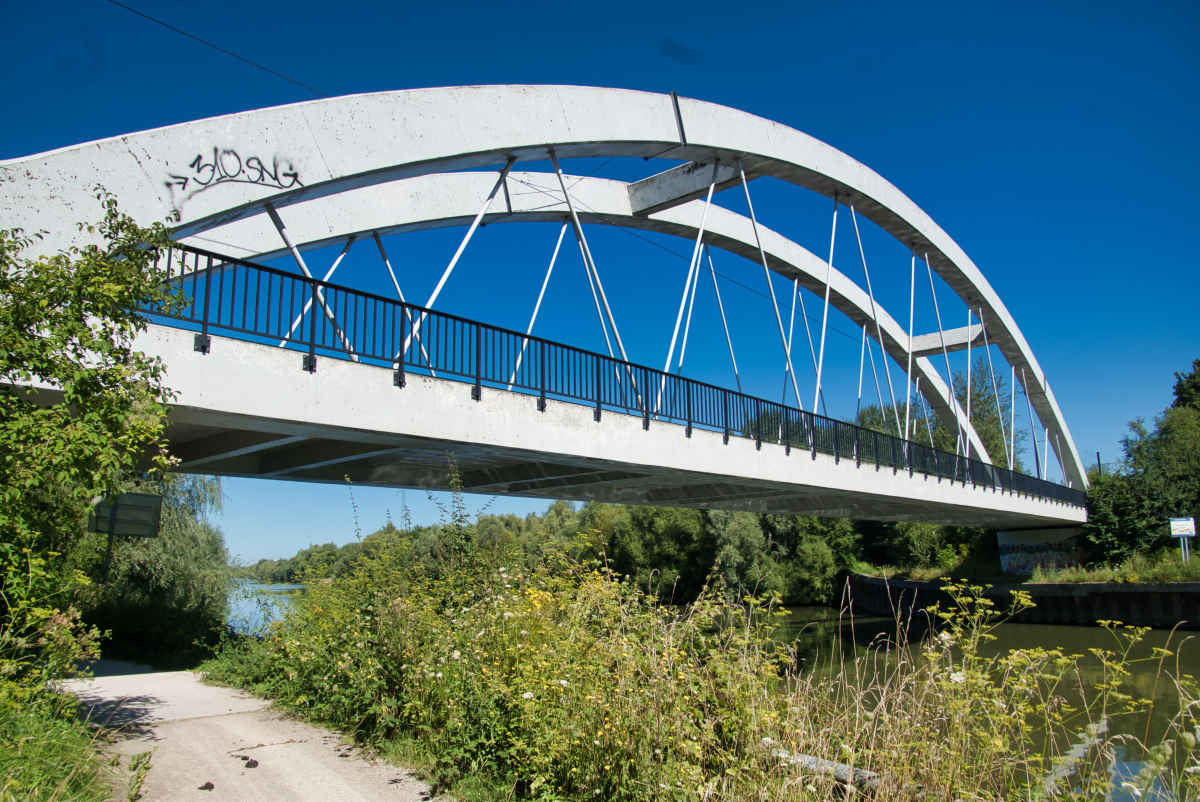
126, 515
1183, 528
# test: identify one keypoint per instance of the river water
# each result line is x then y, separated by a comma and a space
254, 604
824, 637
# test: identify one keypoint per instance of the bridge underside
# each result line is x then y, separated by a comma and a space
249, 410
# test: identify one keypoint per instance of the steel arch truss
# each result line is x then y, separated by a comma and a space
224, 173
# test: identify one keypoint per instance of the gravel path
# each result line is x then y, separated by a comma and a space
222, 744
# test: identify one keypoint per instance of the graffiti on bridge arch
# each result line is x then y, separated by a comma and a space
225, 166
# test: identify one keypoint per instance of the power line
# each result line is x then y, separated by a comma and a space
214, 47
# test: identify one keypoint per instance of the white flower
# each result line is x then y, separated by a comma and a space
524, 633
479, 634
527, 695
767, 742
563, 683
597, 743
944, 637
456, 655
439, 675
958, 676
507, 585
508, 615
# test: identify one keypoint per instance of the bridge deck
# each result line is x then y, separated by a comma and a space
248, 409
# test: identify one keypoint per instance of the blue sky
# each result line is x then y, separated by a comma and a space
1054, 142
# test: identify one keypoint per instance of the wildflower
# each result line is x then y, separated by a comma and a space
597, 743
524, 633
563, 683
439, 675
456, 655
767, 742
958, 676
508, 615
527, 695
479, 634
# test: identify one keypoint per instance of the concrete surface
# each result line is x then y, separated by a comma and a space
355, 423
205, 734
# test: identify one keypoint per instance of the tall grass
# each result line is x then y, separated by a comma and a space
562, 681
48, 755
1160, 568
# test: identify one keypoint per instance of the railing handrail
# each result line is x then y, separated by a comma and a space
1031, 484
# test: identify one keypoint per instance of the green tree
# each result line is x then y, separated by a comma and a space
1128, 509
167, 597
79, 406
743, 554
1187, 388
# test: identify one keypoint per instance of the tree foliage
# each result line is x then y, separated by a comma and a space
167, 597
78, 407
1158, 479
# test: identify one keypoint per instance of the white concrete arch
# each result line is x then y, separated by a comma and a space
451, 199
213, 172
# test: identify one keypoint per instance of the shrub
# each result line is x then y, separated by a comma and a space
555, 680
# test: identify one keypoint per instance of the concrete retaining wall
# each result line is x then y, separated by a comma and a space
1158, 606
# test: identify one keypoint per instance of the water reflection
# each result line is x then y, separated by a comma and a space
253, 605
825, 638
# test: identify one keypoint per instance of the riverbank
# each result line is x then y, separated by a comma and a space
1158, 605
524, 680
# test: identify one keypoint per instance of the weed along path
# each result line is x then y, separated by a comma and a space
216, 743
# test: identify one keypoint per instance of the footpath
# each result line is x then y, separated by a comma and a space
215, 743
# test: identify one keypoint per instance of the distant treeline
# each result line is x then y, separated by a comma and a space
668, 551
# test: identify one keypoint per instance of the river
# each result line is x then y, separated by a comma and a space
824, 638
254, 604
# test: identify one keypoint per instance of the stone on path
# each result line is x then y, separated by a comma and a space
207, 737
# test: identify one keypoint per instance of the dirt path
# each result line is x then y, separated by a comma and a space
203, 734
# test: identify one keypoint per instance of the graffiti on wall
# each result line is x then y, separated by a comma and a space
225, 166
1021, 552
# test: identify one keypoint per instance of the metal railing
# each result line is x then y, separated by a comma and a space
316, 318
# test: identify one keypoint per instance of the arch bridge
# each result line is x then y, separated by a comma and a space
282, 372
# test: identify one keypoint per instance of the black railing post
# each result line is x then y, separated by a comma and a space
837, 444
725, 395
877, 451
787, 433
477, 390
757, 425
398, 376
857, 447
812, 432
596, 414
203, 343
542, 399
688, 391
645, 398
310, 359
